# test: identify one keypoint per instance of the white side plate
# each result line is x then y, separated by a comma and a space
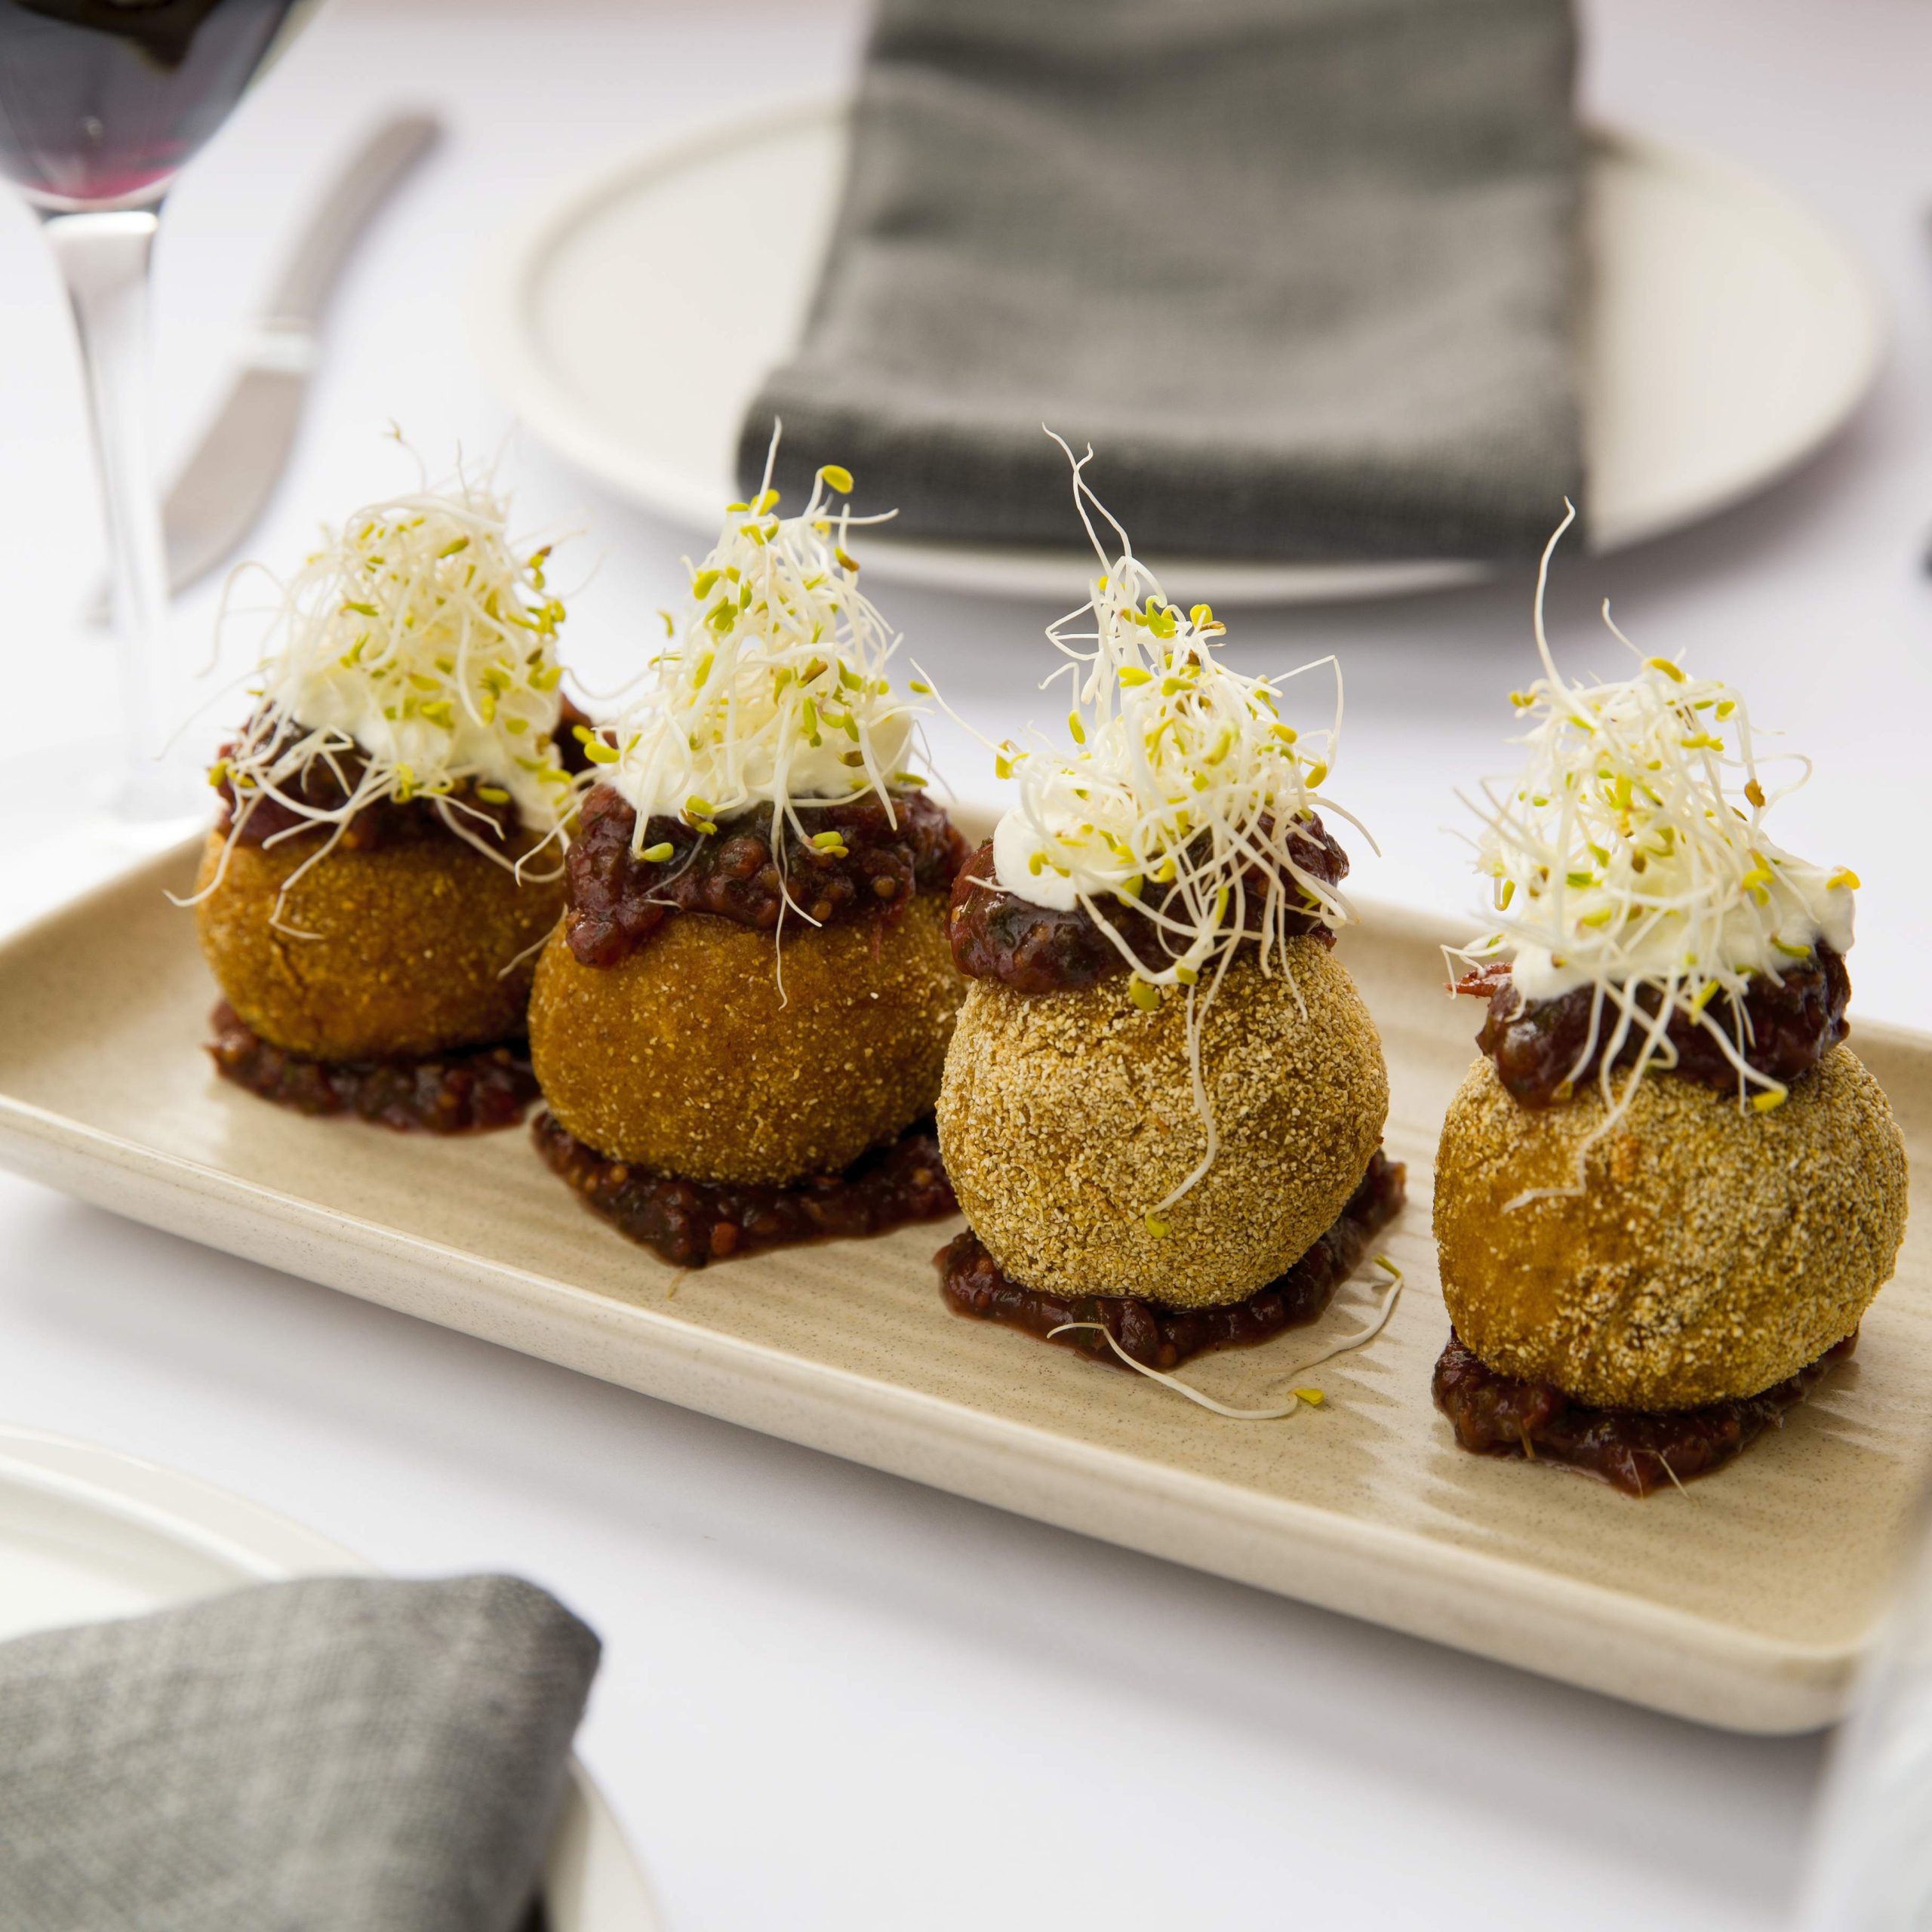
1728, 336
86, 1533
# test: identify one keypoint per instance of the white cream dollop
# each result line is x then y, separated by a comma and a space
1631, 855
1017, 843
761, 762
326, 696
772, 690
1801, 908
1182, 784
419, 639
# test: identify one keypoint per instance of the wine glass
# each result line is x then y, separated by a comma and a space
101, 103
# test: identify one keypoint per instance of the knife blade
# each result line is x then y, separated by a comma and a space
226, 483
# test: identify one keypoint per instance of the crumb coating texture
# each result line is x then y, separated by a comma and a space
1713, 1253
687, 1058
1065, 1116
411, 943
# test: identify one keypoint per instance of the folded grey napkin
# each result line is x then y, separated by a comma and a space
306, 1757
1304, 272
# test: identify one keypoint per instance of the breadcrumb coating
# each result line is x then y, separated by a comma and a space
686, 1057
1065, 1116
411, 943
1712, 1252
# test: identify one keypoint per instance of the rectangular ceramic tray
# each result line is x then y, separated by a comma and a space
1742, 1602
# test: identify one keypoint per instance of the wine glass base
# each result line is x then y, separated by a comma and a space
57, 841
155, 804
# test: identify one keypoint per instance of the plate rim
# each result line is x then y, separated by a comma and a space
496, 309
1865, 311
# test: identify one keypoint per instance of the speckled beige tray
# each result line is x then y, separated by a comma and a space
1741, 1603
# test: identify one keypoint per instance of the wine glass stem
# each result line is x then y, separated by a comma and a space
104, 259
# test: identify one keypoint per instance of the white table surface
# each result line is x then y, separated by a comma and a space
830, 1698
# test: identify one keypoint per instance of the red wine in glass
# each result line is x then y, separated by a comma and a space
103, 100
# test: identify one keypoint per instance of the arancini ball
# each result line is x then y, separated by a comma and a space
1713, 1251
1064, 1118
713, 1052
419, 947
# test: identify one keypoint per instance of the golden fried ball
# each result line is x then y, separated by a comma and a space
686, 1057
1714, 1251
1065, 1118
411, 943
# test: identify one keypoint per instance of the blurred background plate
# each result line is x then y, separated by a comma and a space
1727, 336
87, 1533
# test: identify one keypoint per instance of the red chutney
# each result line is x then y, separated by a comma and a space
327, 785
1634, 1450
470, 1091
1159, 1337
617, 900
690, 1223
1786, 1026
1036, 949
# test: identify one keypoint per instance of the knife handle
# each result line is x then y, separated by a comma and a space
359, 190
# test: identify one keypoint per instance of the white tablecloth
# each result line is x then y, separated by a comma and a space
830, 1698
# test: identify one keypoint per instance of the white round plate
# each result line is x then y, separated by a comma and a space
1727, 336
86, 1533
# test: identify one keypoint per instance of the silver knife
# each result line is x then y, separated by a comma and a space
224, 485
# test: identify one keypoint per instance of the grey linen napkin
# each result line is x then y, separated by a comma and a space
306, 1757
1304, 272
